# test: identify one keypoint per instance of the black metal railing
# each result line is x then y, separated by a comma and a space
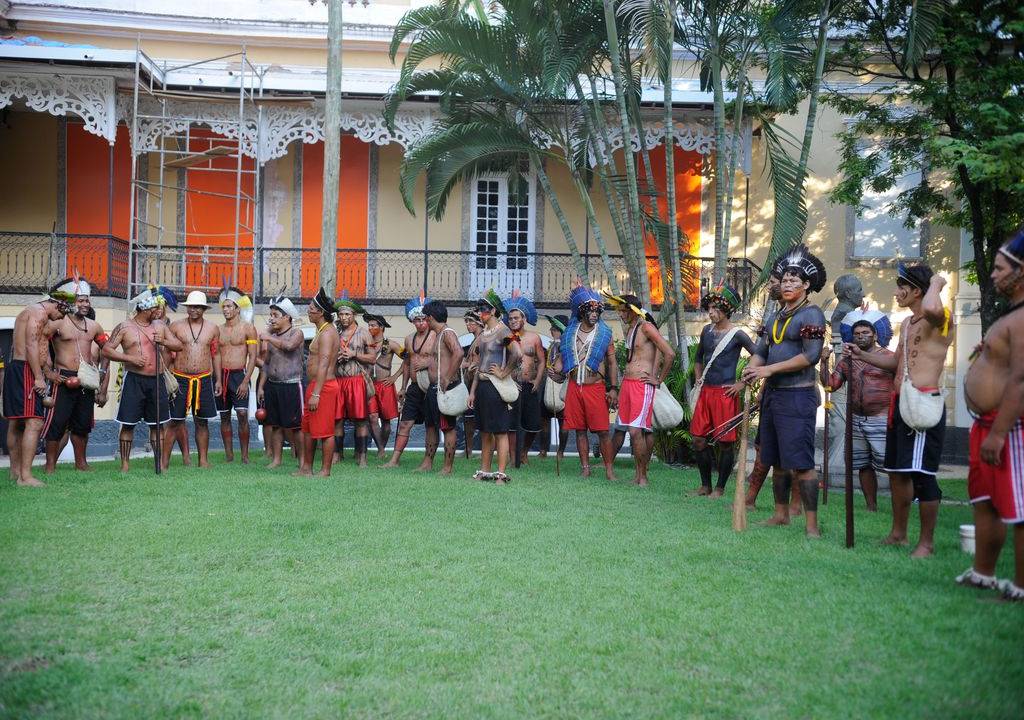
30, 262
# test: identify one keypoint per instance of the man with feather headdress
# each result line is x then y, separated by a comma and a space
238, 347
588, 362
785, 358
356, 355
530, 371
872, 389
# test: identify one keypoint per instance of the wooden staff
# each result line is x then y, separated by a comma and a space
825, 446
158, 440
739, 502
849, 452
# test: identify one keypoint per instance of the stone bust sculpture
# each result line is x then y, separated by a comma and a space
850, 294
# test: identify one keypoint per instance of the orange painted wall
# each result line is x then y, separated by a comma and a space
688, 187
210, 219
88, 191
353, 210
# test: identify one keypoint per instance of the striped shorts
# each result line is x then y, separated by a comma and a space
869, 441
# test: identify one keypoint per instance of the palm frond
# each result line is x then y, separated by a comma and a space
790, 219
922, 27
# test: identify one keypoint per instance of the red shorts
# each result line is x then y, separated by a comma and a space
1002, 484
319, 424
636, 404
385, 401
352, 401
713, 410
586, 407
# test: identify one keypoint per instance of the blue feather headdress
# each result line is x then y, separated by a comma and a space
879, 321
414, 308
523, 304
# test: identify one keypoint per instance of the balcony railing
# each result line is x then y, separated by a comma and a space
30, 262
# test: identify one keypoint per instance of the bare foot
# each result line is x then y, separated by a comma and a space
424, 467
84, 467
610, 474
446, 473
302, 472
895, 540
245, 459
390, 464
922, 551
775, 520
796, 512
872, 508
49, 470
30, 481
273, 464
813, 532
699, 492
585, 471
642, 482
204, 463
716, 493
362, 462
381, 454
228, 457
499, 481
124, 467
324, 473
751, 506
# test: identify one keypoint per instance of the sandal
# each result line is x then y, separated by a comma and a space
1011, 592
501, 477
479, 475
974, 579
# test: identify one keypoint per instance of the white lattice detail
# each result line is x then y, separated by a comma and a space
90, 97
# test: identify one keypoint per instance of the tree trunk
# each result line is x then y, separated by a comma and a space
721, 246
734, 154
332, 150
549, 193
676, 280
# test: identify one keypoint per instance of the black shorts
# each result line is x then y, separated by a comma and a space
787, 427
283, 403
230, 380
140, 395
915, 452
72, 410
526, 412
421, 408
494, 415
20, 400
195, 395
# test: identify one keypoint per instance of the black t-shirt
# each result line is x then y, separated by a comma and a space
723, 370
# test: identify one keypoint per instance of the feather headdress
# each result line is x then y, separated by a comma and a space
617, 302
238, 297
69, 289
559, 322
379, 319
414, 308
877, 319
723, 297
286, 306
1013, 249
802, 261
346, 302
491, 302
323, 301
523, 304
582, 295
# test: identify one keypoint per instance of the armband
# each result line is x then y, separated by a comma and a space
812, 332
101, 339
250, 341
214, 346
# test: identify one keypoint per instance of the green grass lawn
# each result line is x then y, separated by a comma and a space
239, 592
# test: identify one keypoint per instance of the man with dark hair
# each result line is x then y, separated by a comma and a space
496, 357
73, 339
587, 361
474, 325
785, 360
718, 392
280, 386
912, 454
384, 403
558, 324
870, 389
24, 383
237, 345
994, 390
444, 374
321, 407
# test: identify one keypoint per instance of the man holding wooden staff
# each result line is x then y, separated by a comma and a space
785, 358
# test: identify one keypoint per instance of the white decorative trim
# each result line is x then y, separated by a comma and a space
90, 97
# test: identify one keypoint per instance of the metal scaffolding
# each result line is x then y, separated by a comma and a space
165, 107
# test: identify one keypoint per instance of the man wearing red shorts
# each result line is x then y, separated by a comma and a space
718, 354
994, 390
648, 360
354, 359
588, 361
384, 403
321, 406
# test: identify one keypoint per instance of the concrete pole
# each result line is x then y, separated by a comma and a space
332, 149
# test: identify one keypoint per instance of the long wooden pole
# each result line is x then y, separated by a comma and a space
739, 501
849, 452
332, 149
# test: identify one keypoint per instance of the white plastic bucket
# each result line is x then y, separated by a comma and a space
967, 539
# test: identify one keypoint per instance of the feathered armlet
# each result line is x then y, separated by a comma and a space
812, 332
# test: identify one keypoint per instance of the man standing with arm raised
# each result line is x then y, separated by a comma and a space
912, 454
384, 403
197, 367
321, 407
994, 390
419, 359
280, 384
648, 361
72, 339
24, 384
785, 359
238, 346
